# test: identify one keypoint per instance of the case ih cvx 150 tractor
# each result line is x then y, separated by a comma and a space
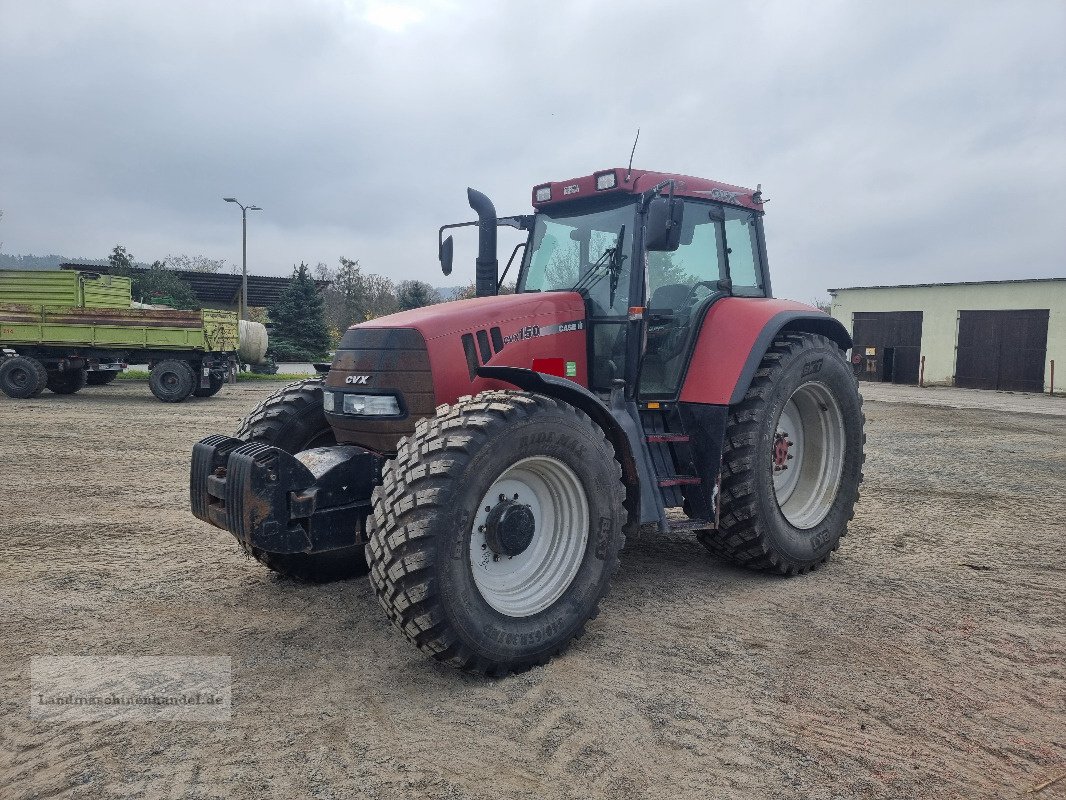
485, 459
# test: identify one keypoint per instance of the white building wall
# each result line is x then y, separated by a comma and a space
940, 306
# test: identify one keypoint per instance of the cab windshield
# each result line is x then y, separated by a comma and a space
583, 248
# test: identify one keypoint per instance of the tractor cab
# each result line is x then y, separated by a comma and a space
693, 241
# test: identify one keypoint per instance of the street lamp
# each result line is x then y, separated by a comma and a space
244, 252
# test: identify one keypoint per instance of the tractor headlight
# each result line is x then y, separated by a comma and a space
543, 194
371, 405
327, 401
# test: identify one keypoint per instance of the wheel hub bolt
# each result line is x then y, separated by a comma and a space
781, 455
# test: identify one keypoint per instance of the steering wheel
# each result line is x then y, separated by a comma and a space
711, 286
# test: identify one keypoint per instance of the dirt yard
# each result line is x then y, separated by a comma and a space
927, 660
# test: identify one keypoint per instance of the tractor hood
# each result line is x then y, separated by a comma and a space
431, 355
509, 312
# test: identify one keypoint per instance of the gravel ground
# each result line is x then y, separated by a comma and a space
926, 660
978, 399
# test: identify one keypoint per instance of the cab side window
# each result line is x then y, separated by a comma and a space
672, 275
742, 250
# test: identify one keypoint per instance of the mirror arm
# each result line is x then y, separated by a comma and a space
523, 222
509, 262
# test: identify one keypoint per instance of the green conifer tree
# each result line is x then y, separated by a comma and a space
299, 331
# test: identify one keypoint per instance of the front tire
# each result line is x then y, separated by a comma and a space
292, 419
792, 461
496, 530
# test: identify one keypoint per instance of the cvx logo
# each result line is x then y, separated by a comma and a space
359, 379
724, 196
721, 195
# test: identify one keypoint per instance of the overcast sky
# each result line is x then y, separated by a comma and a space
898, 142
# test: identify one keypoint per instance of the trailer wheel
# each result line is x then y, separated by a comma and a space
496, 530
67, 381
172, 381
22, 377
101, 377
292, 420
792, 461
216, 386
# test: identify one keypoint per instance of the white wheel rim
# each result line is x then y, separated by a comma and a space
527, 583
807, 455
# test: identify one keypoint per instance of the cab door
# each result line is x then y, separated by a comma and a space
718, 255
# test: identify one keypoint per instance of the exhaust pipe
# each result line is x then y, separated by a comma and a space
487, 273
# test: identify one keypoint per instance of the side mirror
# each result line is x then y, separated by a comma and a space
446, 252
663, 224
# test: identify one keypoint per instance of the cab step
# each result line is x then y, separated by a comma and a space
659, 438
679, 480
688, 525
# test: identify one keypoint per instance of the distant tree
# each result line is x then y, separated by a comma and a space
467, 292
354, 295
259, 314
195, 263
160, 286
349, 284
156, 284
8, 261
299, 331
120, 261
415, 294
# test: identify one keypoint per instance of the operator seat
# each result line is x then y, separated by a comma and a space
669, 297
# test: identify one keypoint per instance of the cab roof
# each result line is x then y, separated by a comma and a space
619, 179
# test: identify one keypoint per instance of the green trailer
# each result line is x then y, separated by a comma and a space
65, 329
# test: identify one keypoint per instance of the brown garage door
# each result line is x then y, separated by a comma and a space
1002, 350
896, 339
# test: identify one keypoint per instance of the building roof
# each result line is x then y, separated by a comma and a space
933, 285
219, 287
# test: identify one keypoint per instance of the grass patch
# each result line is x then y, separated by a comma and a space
242, 377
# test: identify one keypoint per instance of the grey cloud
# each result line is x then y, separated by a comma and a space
898, 142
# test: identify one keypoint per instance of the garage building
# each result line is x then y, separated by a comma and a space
979, 335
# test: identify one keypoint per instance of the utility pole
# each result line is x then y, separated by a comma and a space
244, 252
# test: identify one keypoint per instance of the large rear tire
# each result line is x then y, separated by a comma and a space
792, 461
496, 530
101, 377
172, 381
292, 420
67, 381
22, 377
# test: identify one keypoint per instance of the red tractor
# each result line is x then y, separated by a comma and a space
484, 459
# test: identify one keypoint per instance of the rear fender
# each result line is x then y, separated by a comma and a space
736, 334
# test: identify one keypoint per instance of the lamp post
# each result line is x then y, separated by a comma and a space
244, 252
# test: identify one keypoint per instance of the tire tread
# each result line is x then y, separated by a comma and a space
401, 547
742, 537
